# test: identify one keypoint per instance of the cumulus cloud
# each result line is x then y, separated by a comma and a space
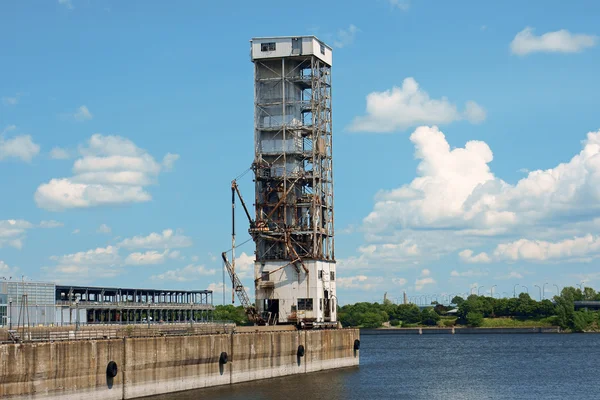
468, 257
361, 282
167, 239
111, 170
100, 256
399, 281
583, 248
216, 287
22, 147
7, 271
345, 37
82, 113
562, 41
403, 107
58, 153
13, 232
456, 202
51, 224
169, 160
511, 275
146, 258
189, 273
103, 262
456, 189
467, 274
420, 283
104, 229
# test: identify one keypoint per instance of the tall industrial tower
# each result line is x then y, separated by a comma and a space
294, 269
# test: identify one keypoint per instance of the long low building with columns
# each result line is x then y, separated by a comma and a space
46, 303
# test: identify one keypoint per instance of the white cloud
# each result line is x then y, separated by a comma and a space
168, 239
100, 256
403, 5
112, 170
403, 107
562, 41
189, 273
456, 190
104, 229
467, 256
361, 282
216, 287
169, 161
51, 224
425, 272
468, 274
75, 231
22, 147
399, 281
6, 271
147, 258
67, 3
13, 232
422, 282
174, 255
82, 114
583, 248
511, 275
58, 153
345, 37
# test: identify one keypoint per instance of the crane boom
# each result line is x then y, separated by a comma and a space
239, 289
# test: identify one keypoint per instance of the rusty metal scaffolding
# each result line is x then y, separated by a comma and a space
293, 160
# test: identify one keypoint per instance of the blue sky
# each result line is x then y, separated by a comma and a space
462, 154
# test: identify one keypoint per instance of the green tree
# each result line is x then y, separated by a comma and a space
429, 317
474, 318
457, 300
582, 320
230, 312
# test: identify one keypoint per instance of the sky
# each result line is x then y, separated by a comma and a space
466, 142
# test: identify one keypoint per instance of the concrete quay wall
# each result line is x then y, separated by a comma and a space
155, 365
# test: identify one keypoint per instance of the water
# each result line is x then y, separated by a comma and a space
506, 366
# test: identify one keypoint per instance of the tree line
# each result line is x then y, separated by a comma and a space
473, 310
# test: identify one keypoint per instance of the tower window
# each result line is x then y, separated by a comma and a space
321, 274
322, 48
305, 304
264, 276
268, 46
332, 275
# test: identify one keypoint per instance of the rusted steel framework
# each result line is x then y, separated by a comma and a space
293, 160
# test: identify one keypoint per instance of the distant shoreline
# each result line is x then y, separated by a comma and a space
459, 330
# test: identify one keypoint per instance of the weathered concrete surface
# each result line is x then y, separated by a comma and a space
148, 366
267, 355
329, 349
65, 370
170, 364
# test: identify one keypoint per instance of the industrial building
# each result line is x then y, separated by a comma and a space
293, 231
26, 303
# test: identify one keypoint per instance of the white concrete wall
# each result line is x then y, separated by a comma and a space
289, 286
283, 48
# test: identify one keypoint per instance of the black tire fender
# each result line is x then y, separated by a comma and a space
223, 358
300, 352
356, 344
112, 369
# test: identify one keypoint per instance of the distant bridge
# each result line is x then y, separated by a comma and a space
593, 304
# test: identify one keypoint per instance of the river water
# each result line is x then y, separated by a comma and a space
477, 366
